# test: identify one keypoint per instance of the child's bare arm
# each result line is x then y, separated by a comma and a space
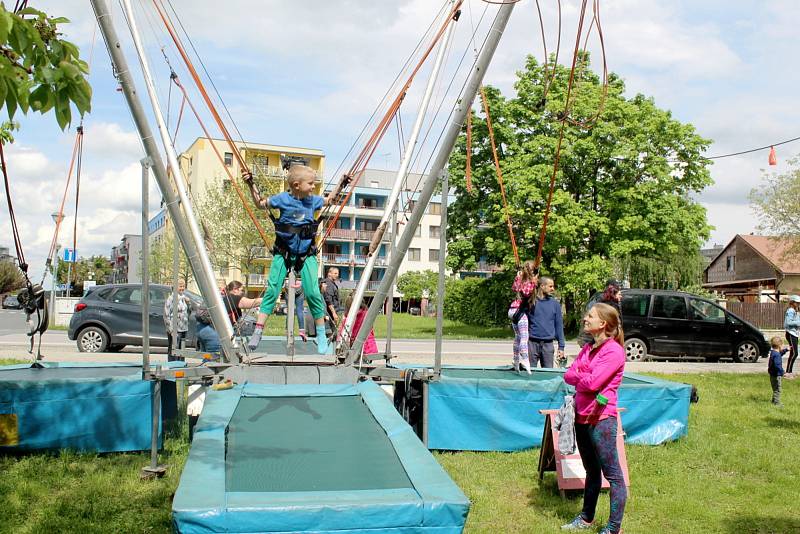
259, 201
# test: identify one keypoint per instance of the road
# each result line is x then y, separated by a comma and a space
56, 347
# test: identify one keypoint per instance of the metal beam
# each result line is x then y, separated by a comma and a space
197, 257
448, 142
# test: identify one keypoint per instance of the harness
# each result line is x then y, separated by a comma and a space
32, 300
303, 231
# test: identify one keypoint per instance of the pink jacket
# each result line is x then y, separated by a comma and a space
593, 372
370, 346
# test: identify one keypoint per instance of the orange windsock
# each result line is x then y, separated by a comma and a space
773, 158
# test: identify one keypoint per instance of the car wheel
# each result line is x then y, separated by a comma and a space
115, 348
635, 350
92, 339
746, 352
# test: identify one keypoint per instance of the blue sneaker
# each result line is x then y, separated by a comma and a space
577, 524
322, 344
607, 530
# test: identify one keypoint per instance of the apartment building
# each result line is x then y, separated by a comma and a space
348, 243
126, 259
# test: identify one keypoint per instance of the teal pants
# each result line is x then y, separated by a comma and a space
308, 277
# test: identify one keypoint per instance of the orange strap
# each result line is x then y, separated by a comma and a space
235, 185
468, 174
362, 160
60, 216
500, 176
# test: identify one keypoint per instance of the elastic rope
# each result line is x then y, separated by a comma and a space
235, 185
557, 158
499, 172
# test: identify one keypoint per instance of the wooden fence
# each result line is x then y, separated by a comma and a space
766, 315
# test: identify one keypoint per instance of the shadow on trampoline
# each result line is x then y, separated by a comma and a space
277, 403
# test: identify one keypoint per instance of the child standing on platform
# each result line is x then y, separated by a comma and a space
295, 233
525, 285
775, 368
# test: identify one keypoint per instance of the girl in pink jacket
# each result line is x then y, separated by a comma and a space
370, 346
596, 374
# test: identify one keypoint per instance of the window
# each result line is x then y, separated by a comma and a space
434, 231
369, 226
418, 231
433, 254
702, 310
158, 297
669, 307
730, 263
413, 254
374, 183
228, 159
103, 294
128, 295
635, 305
435, 208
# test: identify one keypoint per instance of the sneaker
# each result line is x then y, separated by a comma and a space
607, 530
303, 336
322, 344
577, 524
526, 364
255, 339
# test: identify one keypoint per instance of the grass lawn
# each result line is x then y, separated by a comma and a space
736, 472
405, 326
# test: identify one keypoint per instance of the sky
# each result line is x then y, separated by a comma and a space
310, 73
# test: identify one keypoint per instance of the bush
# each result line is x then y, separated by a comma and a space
479, 301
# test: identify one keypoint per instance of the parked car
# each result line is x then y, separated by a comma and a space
109, 317
674, 323
11, 303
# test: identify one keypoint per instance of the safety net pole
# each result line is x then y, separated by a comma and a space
446, 147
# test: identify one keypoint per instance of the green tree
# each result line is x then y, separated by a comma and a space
97, 268
161, 261
416, 284
233, 238
623, 190
775, 203
39, 70
10, 277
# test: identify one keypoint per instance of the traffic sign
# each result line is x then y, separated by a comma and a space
69, 255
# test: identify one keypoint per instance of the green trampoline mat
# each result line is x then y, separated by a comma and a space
509, 374
65, 373
283, 444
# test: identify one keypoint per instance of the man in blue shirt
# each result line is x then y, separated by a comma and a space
546, 325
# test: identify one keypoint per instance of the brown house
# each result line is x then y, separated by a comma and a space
755, 268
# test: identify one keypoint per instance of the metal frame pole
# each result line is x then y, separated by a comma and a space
390, 311
173, 323
448, 142
402, 172
437, 354
290, 304
146, 163
198, 259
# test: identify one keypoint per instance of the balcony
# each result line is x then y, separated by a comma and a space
256, 280
372, 285
332, 258
484, 267
260, 169
355, 235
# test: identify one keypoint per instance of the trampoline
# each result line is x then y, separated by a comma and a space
497, 409
318, 458
276, 346
83, 406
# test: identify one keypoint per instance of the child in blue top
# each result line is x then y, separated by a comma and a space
775, 368
295, 232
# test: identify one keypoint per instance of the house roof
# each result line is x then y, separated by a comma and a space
777, 251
